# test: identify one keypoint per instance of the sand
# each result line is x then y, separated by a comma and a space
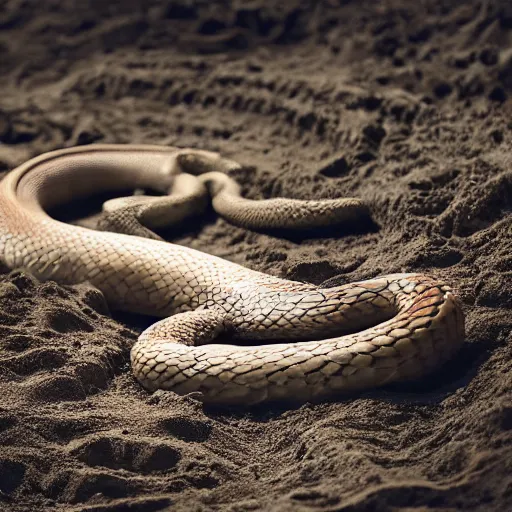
404, 104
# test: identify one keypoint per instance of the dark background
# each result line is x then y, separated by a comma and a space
405, 104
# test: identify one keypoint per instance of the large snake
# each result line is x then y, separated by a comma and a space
391, 328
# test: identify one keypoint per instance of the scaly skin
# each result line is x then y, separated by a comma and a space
421, 320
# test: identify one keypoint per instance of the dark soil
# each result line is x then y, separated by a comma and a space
404, 104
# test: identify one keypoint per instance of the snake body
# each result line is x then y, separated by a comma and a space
363, 334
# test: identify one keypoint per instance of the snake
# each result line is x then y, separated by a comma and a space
228, 334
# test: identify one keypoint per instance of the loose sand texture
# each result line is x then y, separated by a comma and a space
404, 104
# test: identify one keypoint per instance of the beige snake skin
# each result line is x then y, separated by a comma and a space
419, 321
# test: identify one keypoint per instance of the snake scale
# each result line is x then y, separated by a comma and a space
325, 340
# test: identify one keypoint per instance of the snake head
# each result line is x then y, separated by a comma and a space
200, 162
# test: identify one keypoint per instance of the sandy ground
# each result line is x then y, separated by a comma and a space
404, 104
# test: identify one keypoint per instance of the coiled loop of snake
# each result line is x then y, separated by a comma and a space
363, 334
